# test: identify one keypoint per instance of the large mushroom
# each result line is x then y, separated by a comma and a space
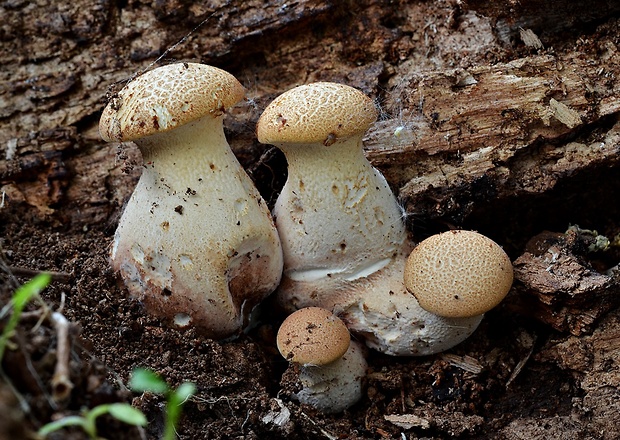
196, 242
337, 216
342, 229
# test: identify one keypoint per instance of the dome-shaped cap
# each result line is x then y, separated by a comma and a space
458, 274
317, 112
314, 336
168, 97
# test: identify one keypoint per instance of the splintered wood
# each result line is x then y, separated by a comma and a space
508, 123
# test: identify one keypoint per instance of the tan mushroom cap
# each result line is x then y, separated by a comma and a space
314, 336
317, 112
458, 274
168, 97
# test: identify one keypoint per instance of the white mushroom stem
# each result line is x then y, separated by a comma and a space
336, 215
196, 241
334, 387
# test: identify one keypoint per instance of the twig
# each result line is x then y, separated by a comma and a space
521, 364
326, 433
61, 383
23, 403
62, 277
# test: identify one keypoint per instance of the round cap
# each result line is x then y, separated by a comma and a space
458, 274
317, 112
313, 336
168, 97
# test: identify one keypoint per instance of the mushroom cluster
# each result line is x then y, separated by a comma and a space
196, 242
342, 230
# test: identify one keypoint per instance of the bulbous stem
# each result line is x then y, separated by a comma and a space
196, 241
336, 214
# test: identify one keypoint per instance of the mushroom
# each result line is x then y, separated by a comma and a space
458, 274
337, 217
330, 366
342, 229
196, 242
391, 321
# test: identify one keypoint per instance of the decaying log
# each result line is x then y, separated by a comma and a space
514, 128
557, 284
458, 127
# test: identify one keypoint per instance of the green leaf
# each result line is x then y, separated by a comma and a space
62, 423
33, 287
127, 414
22, 295
185, 391
146, 380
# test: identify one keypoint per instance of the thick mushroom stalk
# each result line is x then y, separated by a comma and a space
337, 216
342, 230
196, 242
392, 321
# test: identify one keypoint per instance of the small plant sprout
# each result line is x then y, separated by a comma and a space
196, 242
145, 380
87, 421
21, 298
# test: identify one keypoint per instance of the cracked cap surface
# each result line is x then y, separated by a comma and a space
458, 274
314, 336
317, 112
168, 97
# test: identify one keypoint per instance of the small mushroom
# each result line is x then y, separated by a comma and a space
337, 216
331, 366
196, 242
458, 274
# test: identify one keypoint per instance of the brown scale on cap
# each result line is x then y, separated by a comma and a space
458, 274
318, 112
168, 97
313, 336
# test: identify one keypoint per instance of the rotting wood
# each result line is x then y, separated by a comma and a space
556, 283
512, 124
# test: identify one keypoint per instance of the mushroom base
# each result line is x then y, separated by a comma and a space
380, 311
334, 387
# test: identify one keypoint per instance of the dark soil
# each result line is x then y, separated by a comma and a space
238, 382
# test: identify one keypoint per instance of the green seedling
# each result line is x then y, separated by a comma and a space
87, 421
21, 297
145, 380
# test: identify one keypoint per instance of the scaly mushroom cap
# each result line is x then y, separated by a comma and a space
458, 274
168, 97
318, 112
313, 336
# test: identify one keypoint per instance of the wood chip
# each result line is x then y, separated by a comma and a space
466, 363
408, 421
